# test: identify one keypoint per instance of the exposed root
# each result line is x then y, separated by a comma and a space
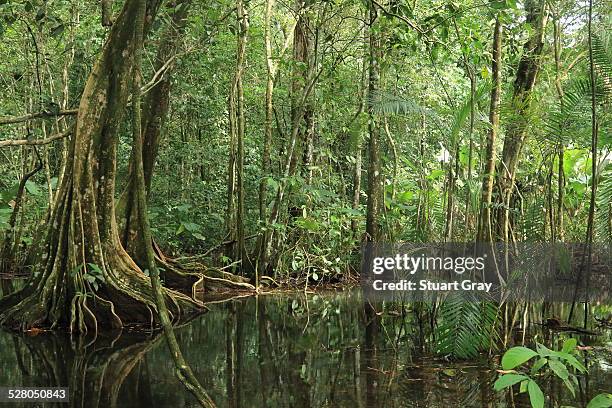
121, 296
194, 277
210, 279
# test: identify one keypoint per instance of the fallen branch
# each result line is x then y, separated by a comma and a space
36, 142
7, 120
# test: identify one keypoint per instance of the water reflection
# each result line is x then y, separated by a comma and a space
324, 350
110, 370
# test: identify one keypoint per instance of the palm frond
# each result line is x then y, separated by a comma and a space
571, 116
602, 62
463, 113
533, 223
466, 327
390, 104
570, 120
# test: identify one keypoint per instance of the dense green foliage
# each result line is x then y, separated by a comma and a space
433, 126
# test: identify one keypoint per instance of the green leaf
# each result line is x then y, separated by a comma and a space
272, 184
516, 356
75, 270
570, 387
543, 350
95, 268
571, 360
450, 372
57, 30
192, 226
601, 401
308, 224
435, 174
546, 352
32, 188
538, 365
569, 345
508, 380
559, 369
199, 236
183, 208
535, 395
498, 5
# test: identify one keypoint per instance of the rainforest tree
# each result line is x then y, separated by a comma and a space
277, 137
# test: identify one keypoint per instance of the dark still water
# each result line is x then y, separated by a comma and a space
291, 350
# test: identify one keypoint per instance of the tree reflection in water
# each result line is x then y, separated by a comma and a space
109, 371
324, 350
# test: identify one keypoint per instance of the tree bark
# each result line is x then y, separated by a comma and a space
560, 149
272, 69
375, 191
358, 144
243, 28
484, 230
521, 103
302, 54
11, 241
155, 110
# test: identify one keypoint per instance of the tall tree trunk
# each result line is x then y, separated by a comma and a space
302, 53
269, 109
560, 149
521, 103
10, 244
272, 69
154, 112
290, 151
375, 191
484, 228
472, 77
299, 106
594, 142
85, 279
235, 182
183, 371
363, 86
243, 27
